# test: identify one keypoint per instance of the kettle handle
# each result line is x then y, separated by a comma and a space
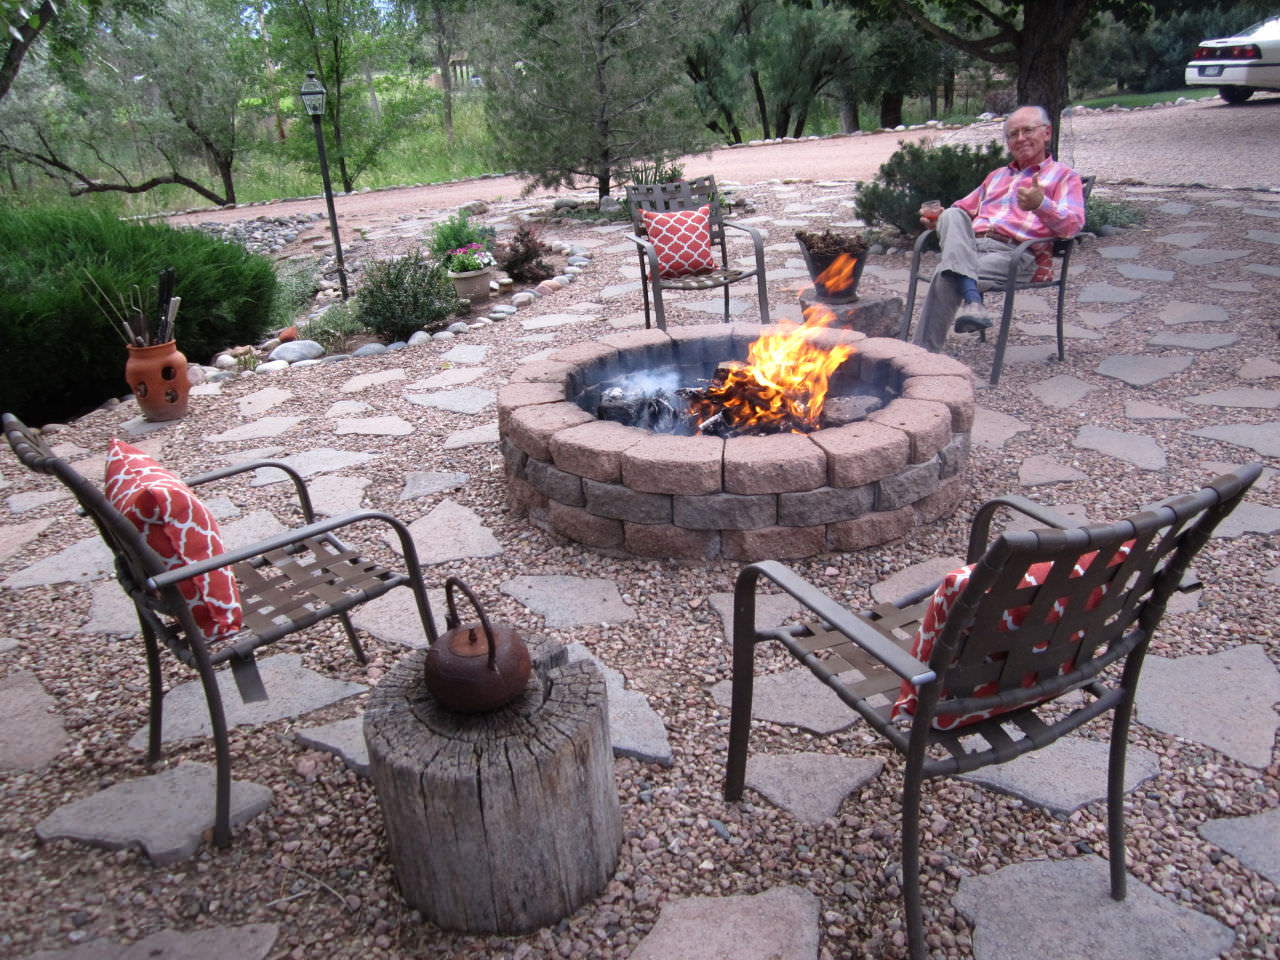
451, 618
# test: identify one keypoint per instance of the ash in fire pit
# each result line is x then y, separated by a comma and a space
657, 401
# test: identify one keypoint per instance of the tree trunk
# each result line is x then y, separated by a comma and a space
1045, 39
444, 53
760, 102
890, 109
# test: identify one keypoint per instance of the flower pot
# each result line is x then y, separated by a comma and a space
157, 375
471, 284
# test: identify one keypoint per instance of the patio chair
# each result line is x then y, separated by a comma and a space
975, 671
209, 606
677, 244
1060, 251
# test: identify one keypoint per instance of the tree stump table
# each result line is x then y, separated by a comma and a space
497, 822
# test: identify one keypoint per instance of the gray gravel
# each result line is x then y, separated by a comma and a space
315, 862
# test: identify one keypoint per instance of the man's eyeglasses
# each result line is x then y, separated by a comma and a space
1024, 131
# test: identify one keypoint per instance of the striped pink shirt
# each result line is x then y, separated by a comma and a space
994, 205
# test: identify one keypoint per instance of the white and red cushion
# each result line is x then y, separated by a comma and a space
935, 617
178, 527
682, 240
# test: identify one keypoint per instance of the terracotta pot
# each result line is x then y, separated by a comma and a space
471, 284
157, 375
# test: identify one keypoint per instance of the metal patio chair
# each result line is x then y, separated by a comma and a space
1061, 249
1085, 600
287, 583
683, 195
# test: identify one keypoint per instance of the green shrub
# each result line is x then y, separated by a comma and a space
521, 257
1110, 213
401, 296
64, 356
296, 287
457, 232
337, 327
920, 172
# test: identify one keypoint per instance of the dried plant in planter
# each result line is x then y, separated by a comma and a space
831, 244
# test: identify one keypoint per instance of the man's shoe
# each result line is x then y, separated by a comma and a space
974, 318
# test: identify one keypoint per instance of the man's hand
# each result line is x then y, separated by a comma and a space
1029, 198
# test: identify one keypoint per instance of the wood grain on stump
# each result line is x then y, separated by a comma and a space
500, 822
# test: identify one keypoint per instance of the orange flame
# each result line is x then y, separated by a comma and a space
838, 276
783, 385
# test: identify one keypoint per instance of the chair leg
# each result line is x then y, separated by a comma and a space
726, 303
644, 288
659, 310
744, 648
762, 292
1062, 294
1115, 795
911, 785
352, 638
1002, 341
221, 748
154, 680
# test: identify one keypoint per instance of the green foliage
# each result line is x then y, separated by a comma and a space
1110, 213
918, 172
401, 296
457, 232
296, 286
522, 256
64, 355
660, 170
336, 328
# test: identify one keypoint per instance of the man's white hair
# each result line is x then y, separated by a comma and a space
1041, 114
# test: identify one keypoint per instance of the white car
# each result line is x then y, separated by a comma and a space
1239, 65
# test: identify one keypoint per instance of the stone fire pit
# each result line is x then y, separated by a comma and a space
628, 490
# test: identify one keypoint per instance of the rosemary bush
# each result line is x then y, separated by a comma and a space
401, 296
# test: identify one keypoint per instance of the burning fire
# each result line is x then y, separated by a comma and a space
783, 383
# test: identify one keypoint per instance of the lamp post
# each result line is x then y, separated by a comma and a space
313, 100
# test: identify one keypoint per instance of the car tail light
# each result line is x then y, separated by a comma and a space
1241, 51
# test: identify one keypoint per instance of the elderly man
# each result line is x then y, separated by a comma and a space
1034, 197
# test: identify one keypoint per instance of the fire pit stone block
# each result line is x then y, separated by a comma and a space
907, 486
943, 501
666, 540
544, 371
825, 505
555, 484
861, 453
677, 465
725, 511
594, 450
872, 529
622, 503
955, 392
513, 396
602, 533
531, 428
927, 424
787, 463
780, 543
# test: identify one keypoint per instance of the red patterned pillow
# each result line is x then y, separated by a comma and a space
682, 239
178, 527
935, 618
1044, 263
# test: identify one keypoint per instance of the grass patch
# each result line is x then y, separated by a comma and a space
1146, 99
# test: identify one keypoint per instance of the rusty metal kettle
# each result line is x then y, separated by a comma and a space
475, 667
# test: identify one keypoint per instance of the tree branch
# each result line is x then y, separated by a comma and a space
21, 37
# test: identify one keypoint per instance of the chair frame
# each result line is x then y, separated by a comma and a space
927, 242
689, 195
1108, 654
288, 582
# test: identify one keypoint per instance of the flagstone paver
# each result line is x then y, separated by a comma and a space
292, 690
1238, 682
310, 463
260, 401
1181, 311
461, 400
164, 813
34, 499
635, 728
81, 562
796, 698
1043, 469
1061, 391
1141, 371
1258, 368
335, 495
1138, 449
378, 377
1108, 293
1249, 517
809, 786
15, 536
1266, 236
425, 483
389, 426
452, 377
779, 924
449, 532
1194, 341
481, 434
346, 408
1121, 252
256, 429
1254, 841
394, 618
992, 428
1240, 397
565, 601
1203, 257
1137, 271
1069, 331
1145, 410
1262, 438
1185, 239
1066, 775
1265, 269
111, 612
1075, 916
343, 738
31, 731
1094, 319
249, 942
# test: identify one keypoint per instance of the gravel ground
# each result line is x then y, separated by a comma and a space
316, 861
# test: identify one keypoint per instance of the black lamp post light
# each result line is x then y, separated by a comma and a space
313, 100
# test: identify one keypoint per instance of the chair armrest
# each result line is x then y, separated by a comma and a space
850, 624
287, 539
979, 532
299, 485
647, 250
